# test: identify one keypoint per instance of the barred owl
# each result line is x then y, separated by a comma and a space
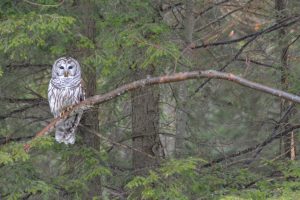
65, 89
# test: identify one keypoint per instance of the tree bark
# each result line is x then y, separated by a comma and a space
287, 144
145, 124
90, 119
181, 117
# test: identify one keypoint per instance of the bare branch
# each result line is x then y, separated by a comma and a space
240, 51
218, 19
211, 7
253, 148
26, 65
252, 37
5, 140
285, 22
44, 5
256, 62
25, 100
183, 76
19, 110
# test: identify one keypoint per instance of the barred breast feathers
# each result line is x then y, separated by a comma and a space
61, 97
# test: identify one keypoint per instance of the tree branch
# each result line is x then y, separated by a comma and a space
44, 5
24, 100
26, 65
240, 51
5, 140
211, 7
285, 22
253, 148
19, 110
256, 62
183, 76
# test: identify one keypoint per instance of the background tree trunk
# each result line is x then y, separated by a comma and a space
181, 90
145, 124
287, 144
90, 119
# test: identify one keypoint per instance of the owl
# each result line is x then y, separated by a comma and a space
65, 89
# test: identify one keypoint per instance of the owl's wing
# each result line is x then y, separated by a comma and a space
54, 104
83, 89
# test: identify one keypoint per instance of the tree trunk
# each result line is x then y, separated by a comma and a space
145, 124
181, 118
287, 144
90, 119
181, 90
85, 10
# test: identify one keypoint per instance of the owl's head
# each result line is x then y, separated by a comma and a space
66, 67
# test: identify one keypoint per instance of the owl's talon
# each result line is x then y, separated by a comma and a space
61, 114
69, 108
66, 109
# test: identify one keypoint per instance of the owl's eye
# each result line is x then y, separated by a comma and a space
61, 67
70, 67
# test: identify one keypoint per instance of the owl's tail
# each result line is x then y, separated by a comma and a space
65, 130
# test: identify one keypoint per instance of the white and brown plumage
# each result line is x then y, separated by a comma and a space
65, 89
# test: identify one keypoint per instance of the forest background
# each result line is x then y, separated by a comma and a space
193, 139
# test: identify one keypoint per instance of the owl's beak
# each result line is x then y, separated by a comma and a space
66, 74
